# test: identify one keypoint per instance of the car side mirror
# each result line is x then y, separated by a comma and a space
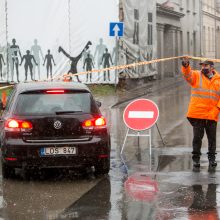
99, 103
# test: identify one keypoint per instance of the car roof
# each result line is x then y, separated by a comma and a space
34, 86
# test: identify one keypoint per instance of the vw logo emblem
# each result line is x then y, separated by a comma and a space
57, 124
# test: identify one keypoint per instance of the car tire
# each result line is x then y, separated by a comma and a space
102, 167
7, 171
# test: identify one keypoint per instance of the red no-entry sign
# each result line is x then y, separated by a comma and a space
141, 187
141, 114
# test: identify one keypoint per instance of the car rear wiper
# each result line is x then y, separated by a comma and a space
66, 112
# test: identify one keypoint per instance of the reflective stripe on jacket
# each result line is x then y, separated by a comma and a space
205, 94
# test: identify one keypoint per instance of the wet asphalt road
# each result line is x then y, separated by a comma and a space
183, 194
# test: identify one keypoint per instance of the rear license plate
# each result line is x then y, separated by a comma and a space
57, 151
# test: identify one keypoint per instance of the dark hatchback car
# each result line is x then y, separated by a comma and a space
53, 125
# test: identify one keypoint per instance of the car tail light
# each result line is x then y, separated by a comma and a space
17, 125
10, 158
57, 91
94, 123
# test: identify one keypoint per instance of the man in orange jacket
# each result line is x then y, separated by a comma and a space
204, 108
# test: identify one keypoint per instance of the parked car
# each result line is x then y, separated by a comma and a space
53, 125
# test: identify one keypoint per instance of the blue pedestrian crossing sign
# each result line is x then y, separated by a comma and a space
116, 29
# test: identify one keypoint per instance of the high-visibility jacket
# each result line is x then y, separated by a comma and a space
205, 94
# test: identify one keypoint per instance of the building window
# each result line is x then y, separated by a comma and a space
213, 39
181, 42
150, 29
150, 34
204, 41
188, 43
208, 43
150, 17
136, 14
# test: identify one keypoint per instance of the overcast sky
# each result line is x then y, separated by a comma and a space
47, 21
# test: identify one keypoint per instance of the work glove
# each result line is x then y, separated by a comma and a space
185, 62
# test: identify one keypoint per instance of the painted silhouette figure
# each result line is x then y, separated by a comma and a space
36, 51
49, 58
115, 55
28, 63
74, 60
89, 64
106, 58
85, 54
99, 50
14, 50
1, 60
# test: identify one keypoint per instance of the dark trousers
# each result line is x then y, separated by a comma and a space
200, 126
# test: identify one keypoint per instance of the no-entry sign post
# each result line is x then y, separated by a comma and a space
140, 115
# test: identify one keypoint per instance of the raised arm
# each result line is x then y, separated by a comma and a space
188, 73
60, 49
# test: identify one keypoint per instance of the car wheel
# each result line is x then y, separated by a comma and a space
102, 167
7, 171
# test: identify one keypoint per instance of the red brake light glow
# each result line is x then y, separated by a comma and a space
94, 123
57, 91
12, 124
26, 125
17, 125
100, 122
87, 123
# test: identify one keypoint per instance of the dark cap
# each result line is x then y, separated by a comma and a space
207, 62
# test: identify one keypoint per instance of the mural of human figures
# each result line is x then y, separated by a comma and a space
74, 60
36, 51
1, 64
106, 58
115, 55
88, 63
84, 56
48, 59
14, 50
28, 64
136, 27
99, 50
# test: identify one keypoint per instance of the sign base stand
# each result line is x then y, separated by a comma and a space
137, 134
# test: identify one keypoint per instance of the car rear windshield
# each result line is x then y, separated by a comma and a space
41, 103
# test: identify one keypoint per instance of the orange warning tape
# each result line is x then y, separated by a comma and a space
125, 66
138, 64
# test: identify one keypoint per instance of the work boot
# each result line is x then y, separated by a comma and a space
212, 165
196, 165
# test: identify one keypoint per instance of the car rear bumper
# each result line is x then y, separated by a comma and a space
17, 153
